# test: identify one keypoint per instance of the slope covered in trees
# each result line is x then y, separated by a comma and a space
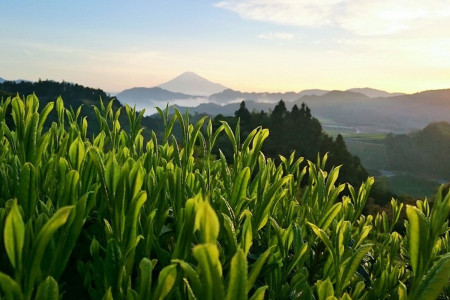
75, 97
425, 152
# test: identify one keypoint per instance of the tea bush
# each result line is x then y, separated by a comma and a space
115, 217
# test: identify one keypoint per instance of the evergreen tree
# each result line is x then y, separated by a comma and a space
243, 113
299, 131
279, 112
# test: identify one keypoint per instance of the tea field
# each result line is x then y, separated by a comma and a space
117, 216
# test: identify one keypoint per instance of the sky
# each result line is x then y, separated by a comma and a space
247, 45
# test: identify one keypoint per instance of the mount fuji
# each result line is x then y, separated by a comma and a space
192, 84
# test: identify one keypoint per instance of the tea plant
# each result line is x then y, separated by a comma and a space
113, 216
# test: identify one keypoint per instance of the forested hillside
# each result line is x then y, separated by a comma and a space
75, 97
425, 152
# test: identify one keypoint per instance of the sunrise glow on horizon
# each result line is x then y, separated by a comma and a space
247, 45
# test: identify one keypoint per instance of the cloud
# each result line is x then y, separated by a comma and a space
83, 55
361, 17
276, 36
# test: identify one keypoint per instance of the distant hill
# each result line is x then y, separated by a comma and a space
441, 129
192, 84
374, 93
214, 109
16, 81
140, 94
148, 98
425, 152
229, 95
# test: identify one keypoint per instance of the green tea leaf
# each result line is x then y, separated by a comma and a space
14, 236
257, 266
324, 289
324, 237
166, 281
240, 187
48, 290
418, 235
326, 220
76, 153
259, 293
402, 293
30, 137
353, 263
41, 241
27, 195
434, 281
10, 287
207, 222
237, 287
145, 278
210, 267
191, 275
44, 114
113, 266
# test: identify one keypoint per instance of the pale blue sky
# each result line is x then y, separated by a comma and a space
251, 45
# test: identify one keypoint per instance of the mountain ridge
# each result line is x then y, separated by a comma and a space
399, 114
194, 86
374, 93
2, 80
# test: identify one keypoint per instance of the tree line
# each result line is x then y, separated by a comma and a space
296, 130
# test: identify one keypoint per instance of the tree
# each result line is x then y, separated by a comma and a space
279, 112
243, 114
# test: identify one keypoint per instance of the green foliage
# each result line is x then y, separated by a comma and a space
295, 131
142, 219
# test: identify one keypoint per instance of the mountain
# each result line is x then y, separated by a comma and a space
229, 96
2, 80
192, 84
374, 93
